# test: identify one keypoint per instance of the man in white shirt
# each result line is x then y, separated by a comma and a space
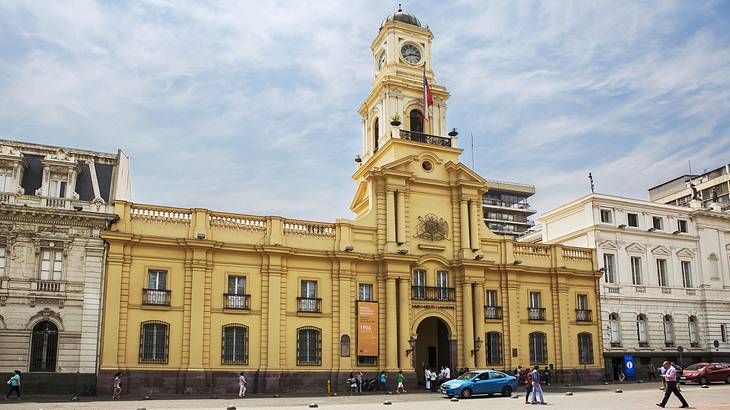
447, 373
670, 375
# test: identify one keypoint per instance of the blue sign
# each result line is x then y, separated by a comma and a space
629, 369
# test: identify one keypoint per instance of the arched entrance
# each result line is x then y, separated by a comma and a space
433, 347
44, 343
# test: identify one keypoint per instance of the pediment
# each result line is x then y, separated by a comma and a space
361, 196
610, 245
685, 253
464, 173
661, 250
636, 248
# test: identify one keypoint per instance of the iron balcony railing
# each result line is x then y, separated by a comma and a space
309, 305
425, 138
156, 297
433, 293
534, 313
48, 286
493, 312
237, 301
583, 315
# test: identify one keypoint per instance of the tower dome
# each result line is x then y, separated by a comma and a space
403, 17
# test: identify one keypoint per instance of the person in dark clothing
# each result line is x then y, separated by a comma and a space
14, 384
671, 378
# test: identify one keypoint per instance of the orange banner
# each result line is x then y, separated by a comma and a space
367, 329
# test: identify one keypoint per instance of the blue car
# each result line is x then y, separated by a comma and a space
480, 382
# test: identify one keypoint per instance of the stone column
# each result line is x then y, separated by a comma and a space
391, 325
390, 216
465, 225
404, 333
401, 218
474, 225
481, 356
468, 318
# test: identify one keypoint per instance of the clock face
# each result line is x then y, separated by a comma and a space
411, 53
381, 61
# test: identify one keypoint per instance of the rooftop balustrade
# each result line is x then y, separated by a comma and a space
425, 138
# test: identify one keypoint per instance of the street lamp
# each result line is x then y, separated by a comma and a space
477, 345
412, 344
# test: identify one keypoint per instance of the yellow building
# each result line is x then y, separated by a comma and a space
194, 296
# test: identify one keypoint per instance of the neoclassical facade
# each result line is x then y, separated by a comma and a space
193, 296
665, 283
54, 204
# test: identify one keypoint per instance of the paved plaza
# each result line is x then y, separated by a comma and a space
642, 396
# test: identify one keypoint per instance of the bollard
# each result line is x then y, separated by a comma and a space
329, 387
276, 396
570, 393
454, 399
387, 403
313, 405
704, 386
147, 398
231, 407
619, 391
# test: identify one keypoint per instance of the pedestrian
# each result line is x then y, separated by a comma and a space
651, 371
242, 383
401, 380
536, 388
433, 382
520, 377
427, 377
670, 377
528, 386
447, 373
117, 389
621, 375
383, 380
546, 375
360, 380
662, 371
14, 383
352, 382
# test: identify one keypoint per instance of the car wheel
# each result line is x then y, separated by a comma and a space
466, 393
727, 380
490, 394
507, 391
704, 380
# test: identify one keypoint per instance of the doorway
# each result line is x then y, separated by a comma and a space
433, 347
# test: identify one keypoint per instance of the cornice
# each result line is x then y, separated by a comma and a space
54, 216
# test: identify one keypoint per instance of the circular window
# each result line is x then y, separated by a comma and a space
427, 165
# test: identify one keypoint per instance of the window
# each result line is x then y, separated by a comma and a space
153, 342
609, 263
492, 298
51, 264
657, 223
156, 292
585, 348
538, 348
235, 344
668, 331
236, 298
693, 332
582, 302
309, 346
723, 333
636, 270
7, 183
2, 261
442, 282
633, 220
419, 284
367, 360
345, 346
365, 292
682, 226
43, 347
535, 300
376, 135
416, 117
606, 216
615, 329
308, 301
686, 274
157, 279
661, 272
494, 348
57, 188
236, 285
641, 331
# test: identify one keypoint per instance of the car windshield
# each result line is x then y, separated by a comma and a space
468, 376
696, 366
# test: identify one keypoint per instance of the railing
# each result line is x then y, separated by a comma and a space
531, 250
161, 214
236, 301
691, 292
613, 289
493, 312
293, 227
615, 344
48, 286
669, 344
503, 204
694, 344
643, 344
309, 305
577, 254
425, 138
640, 289
231, 221
535, 313
7, 198
53, 202
433, 293
156, 297
666, 291
583, 315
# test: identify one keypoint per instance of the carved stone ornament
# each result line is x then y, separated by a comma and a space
432, 228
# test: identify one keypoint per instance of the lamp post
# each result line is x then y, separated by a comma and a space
412, 344
477, 345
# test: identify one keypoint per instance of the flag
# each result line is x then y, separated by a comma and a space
427, 97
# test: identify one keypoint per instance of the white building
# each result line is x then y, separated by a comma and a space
54, 203
666, 282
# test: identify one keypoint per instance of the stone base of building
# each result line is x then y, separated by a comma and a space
83, 384
644, 361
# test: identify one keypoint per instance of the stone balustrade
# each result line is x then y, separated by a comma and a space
294, 227
160, 214
531, 250
577, 254
234, 221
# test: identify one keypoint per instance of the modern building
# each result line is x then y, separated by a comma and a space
666, 282
711, 187
54, 204
416, 279
506, 210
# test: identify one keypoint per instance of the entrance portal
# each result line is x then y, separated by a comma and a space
433, 347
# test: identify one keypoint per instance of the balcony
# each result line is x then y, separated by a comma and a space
582, 315
236, 301
492, 312
534, 313
425, 138
491, 203
309, 305
433, 293
156, 297
48, 286
643, 344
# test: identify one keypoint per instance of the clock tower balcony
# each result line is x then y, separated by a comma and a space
425, 138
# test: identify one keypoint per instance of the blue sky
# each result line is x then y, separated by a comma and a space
251, 106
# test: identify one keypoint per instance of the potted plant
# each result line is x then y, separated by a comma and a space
395, 120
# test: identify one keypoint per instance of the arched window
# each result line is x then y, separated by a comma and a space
494, 348
693, 332
345, 346
615, 328
44, 345
153, 342
538, 348
416, 117
585, 348
309, 346
668, 331
641, 331
235, 344
376, 135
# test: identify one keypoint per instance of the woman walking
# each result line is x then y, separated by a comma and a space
242, 385
401, 380
14, 383
117, 389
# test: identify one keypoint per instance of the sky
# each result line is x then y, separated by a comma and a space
251, 107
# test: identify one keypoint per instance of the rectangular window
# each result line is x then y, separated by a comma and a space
7, 183
661, 272
419, 284
494, 348
157, 280
365, 292
682, 226
606, 216
51, 264
723, 333
582, 302
236, 285
309, 346
535, 301
633, 220
641, 332
492, 298
308, 301
57, 188
609, 263
235, 345
442, 282
153, 343
686, 274
656, 223
309, 289
636, 270
585, 348
2, 261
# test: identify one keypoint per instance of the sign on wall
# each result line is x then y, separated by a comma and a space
367, 328
629, 369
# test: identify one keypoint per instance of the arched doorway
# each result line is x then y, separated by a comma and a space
44, 345
416, 120
433, 347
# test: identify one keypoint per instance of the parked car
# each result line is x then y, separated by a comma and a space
706, 373
480, 382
